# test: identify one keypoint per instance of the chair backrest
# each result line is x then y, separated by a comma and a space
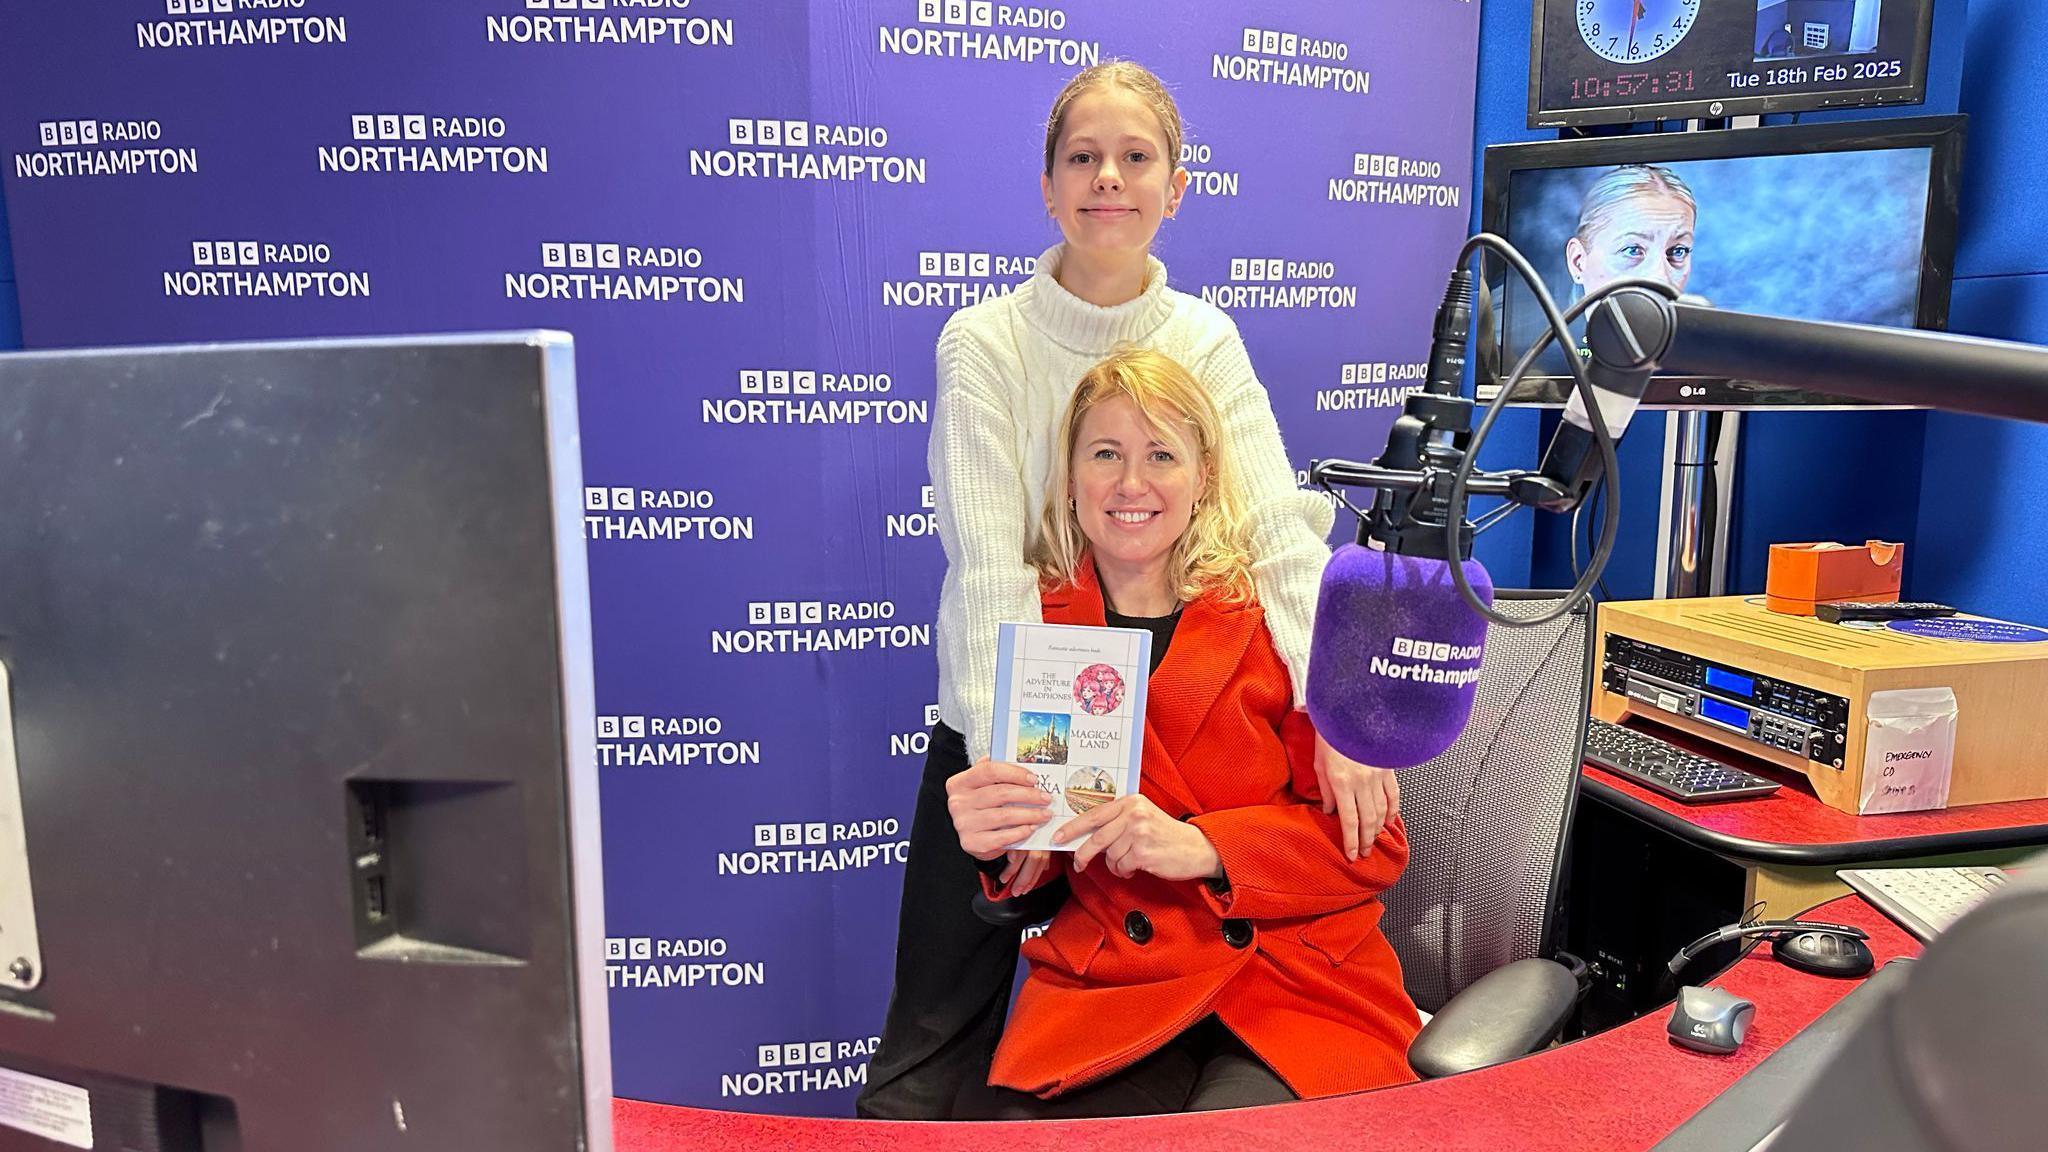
1487, 820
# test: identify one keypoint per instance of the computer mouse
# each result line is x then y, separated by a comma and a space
1710, 1019
1824, 953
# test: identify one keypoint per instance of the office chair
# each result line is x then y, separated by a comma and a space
1472, 917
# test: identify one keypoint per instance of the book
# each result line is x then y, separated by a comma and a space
1070, 707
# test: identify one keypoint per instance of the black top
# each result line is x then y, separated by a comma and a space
1161, 628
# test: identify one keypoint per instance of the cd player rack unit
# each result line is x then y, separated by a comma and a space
1793, 691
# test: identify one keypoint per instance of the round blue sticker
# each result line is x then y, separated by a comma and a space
1975, 631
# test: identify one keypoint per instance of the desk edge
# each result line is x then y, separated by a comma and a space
1814, 855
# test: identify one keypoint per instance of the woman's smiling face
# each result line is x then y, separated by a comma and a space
1134, 485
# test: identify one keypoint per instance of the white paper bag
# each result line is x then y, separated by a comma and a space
1908, 750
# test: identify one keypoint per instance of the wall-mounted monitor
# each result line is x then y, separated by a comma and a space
1616, 61
1849, 222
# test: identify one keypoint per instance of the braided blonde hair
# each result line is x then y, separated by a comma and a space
1124, 74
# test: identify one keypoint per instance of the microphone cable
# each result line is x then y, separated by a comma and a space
1610, 468
1599, 494
1667, 981
1559, 330
1758, 931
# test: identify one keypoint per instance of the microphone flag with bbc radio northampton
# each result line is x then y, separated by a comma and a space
754, 218
1395, 662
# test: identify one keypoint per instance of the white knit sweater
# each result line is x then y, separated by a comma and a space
1006, 368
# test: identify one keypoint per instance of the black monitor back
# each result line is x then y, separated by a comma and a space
296, 639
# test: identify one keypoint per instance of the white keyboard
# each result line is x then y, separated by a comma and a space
1924, 901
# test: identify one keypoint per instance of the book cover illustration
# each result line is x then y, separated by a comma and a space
1070, 706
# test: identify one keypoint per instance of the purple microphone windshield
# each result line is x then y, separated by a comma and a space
1395, 659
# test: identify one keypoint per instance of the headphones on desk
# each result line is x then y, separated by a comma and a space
1808, 945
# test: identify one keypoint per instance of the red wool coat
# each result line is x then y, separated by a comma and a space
1290, 956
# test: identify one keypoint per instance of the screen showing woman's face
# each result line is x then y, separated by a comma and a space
1648, 236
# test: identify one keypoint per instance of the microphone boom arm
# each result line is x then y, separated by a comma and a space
1902, 366
1905, 367
1351, 474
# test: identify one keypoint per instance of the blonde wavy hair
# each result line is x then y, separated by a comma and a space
1214, 553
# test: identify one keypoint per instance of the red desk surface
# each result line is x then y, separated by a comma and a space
1626, 1088
1792, 826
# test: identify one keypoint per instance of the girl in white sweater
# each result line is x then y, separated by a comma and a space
1006, 368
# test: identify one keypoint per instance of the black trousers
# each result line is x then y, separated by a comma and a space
953, 970
1203, 1069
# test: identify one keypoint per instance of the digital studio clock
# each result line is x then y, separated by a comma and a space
1633, 31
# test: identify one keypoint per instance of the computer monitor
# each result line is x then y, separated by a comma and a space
298, 830
1616, 61
1850, 222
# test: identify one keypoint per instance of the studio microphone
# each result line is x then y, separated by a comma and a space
1394, 659
1447, 346
1394, 662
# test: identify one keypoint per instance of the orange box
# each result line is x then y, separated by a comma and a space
1802, 575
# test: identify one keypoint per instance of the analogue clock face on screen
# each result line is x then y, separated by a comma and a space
1635, 31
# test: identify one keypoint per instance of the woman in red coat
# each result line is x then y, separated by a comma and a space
1219, 948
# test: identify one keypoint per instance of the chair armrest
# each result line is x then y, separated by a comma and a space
1511, 1011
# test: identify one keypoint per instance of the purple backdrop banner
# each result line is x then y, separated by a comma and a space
754, 217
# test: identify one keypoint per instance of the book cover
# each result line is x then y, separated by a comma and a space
1070, 707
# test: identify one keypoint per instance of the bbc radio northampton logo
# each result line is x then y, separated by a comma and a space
1372, 384
782, 149
956, 279
1273, 56
659, 514
670, 742
653, 962
981, 30
251, 268
413, 142
588, 22
102, 148
1384, 178
1262, 282
793, 626
803, 1066
230, 23
611, 270
1430, 662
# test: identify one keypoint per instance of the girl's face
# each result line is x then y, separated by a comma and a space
1134, 486
1649, 236
1112, 181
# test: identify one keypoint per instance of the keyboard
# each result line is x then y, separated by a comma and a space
1924, 901
1667, 768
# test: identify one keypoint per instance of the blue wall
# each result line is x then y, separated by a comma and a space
1850, 476
1979, 544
